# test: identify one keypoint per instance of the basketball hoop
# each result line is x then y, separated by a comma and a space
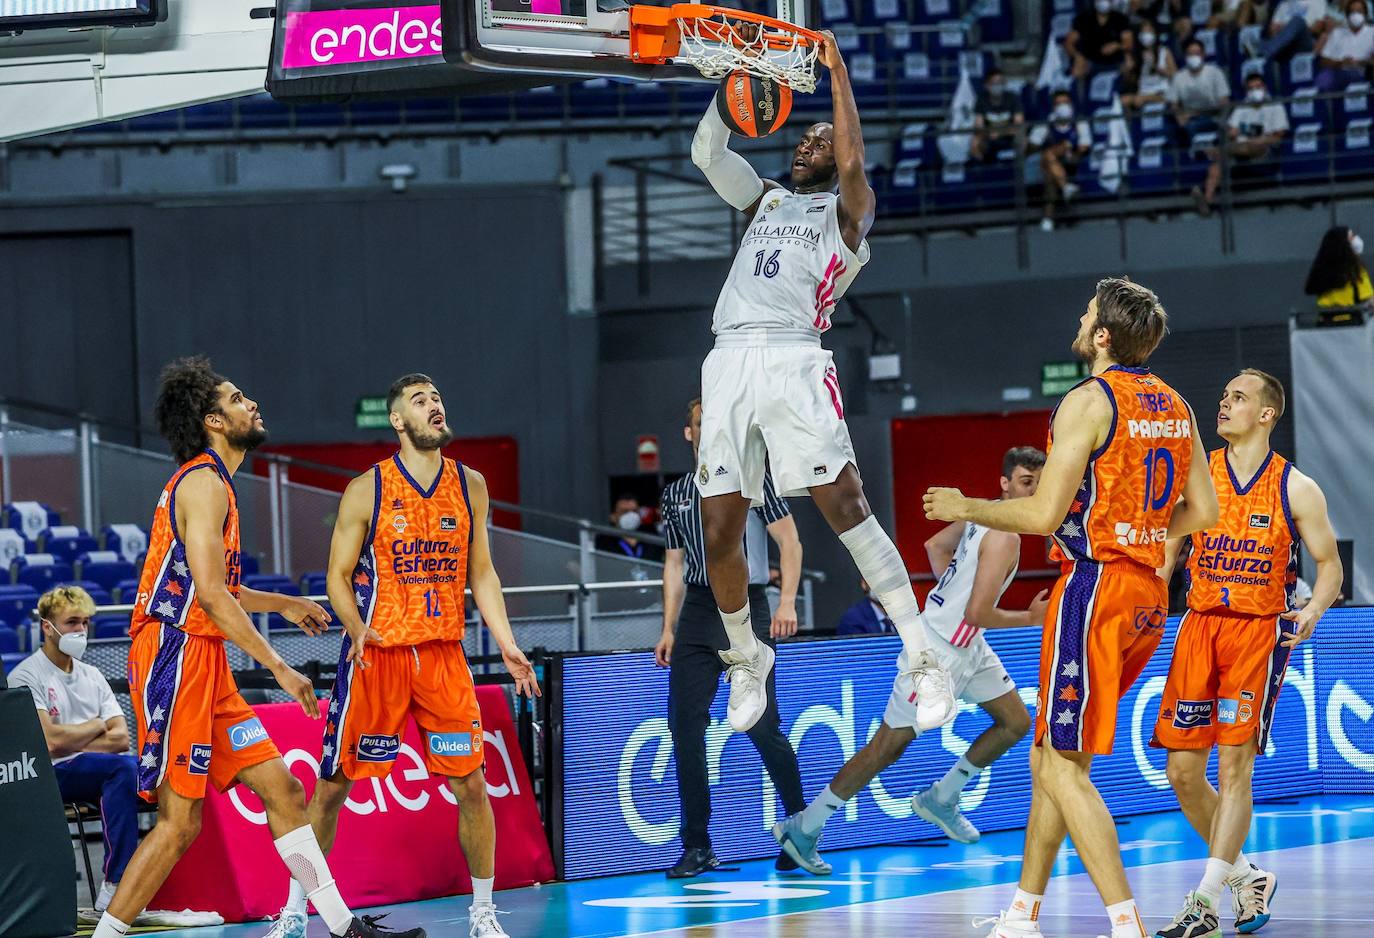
719, 40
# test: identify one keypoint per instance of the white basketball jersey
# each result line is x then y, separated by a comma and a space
792, 266
944, 612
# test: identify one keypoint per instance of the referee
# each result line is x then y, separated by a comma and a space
694, 651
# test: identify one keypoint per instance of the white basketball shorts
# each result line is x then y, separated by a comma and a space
976, 675
775, 404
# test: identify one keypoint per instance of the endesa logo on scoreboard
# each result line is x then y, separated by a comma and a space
351, 35
620, 774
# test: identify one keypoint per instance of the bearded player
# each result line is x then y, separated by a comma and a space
1233, 643
1125, 471
771, 395
411, 536
194, 728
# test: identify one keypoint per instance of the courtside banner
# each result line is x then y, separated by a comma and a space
398, 836
620, 802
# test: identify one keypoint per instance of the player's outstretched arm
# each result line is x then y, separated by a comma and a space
1308, 504
941, 545
202, 507
345, 547
997, 555
857, 203
297, 610
729, 174
1197, 510
1080, 426
486, 590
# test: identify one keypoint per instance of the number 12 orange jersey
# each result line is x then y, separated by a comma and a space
410, 579
1123, 505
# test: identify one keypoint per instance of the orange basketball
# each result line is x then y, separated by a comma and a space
752, 106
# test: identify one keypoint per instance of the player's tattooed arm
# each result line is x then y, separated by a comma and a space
1197, 510
941, 545
1081, 424
857, 203
486, 590
345, 547
1308, 504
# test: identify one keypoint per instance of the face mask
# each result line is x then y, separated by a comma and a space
1147, 39
996, 88
1103, 6
1357, 244
72, 643
1194, 62
1255, 95
629, 521
1063, 112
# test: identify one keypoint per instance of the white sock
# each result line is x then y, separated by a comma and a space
1212, 880
878, 561
301, 853
956, 780
481, 890
1025, 907
110, 927
1126, 921
814, 815
295, 899
739, 631
107, 891
1241, 870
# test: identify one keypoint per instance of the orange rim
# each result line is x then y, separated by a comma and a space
715, 26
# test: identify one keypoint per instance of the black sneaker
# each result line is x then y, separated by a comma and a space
369, 926
1197, 920
784, 863
693, 862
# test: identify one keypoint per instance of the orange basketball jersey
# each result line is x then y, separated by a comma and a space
166, 592
1248, 562
1123, 505
413, 571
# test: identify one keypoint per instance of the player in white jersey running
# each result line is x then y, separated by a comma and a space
770, 393
977, 564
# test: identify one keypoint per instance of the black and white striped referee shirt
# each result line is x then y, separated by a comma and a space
681, 513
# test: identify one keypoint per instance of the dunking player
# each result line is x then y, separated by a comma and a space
1126, 470
411, 535
770, 393
193, 725
976, 565
1234, 641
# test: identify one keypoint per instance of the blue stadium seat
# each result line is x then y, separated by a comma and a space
17, 602
29, 518
895, 41
126, 540
9, 640
248, 563
1152, 168
1353, 105
10, 661
162, 121
596, 97
995, 20
313, 584
1354, 154
12, 545
65, 541
262, 112
216, 115
272, 583
41, 571
957, 189
1300, 70
951, 40
103, 567
99, 594
1306, 153
431, 110
1102, 88
876, 12
642, 99
903, 190
384, 113
110, 625
916, 141
125, 590
929, 12
836, 11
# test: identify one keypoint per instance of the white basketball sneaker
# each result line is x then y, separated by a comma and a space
926, 684
1250, 896
290, 924
1004, 927
947, 817
800, 845
748, 677
482, 921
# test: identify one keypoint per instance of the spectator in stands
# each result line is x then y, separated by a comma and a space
1148, 81
1295, 27
1162, 12
996, 116
1198, 91
88, 738
1338, 276
1253, 131
1100, 39
1346, 52
1232, 14
1063, 141
628, 515
865, 617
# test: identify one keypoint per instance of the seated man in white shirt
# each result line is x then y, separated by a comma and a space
87, 736
1346, 52
1253, 131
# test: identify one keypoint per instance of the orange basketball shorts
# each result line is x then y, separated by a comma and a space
1224, 680
1103, 623
193, 724
369, 706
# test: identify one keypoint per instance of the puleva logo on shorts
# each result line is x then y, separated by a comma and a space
242, 735
200, 759
1191, 714
1227, 711
377, 748
450, 744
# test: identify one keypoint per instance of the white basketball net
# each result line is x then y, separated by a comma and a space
721, 44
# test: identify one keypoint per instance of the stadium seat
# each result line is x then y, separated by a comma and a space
41, 571
125, 590
217, 115
894, 42
951, 40
103, 567
1301, 71
877, 12
261, 112
10, 661
1306, 154
12, 545
272, 583
29, 518
431, 111
1354, 155
65, 542
384, 113
1152, 169
903, 190
126, 540
98, 593
835, 11
550, 103
17, 602
248, 563
1102, 87
1353, 105
313, 584
995, 20
111, 625
9, 640
934, 11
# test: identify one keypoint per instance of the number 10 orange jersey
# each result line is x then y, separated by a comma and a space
1122, 508
411, 576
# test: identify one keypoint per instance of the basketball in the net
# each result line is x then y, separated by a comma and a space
752, 106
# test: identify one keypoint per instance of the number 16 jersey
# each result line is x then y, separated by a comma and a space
792, 267
410, 578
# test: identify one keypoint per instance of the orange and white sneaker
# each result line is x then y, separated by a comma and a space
1007, 925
